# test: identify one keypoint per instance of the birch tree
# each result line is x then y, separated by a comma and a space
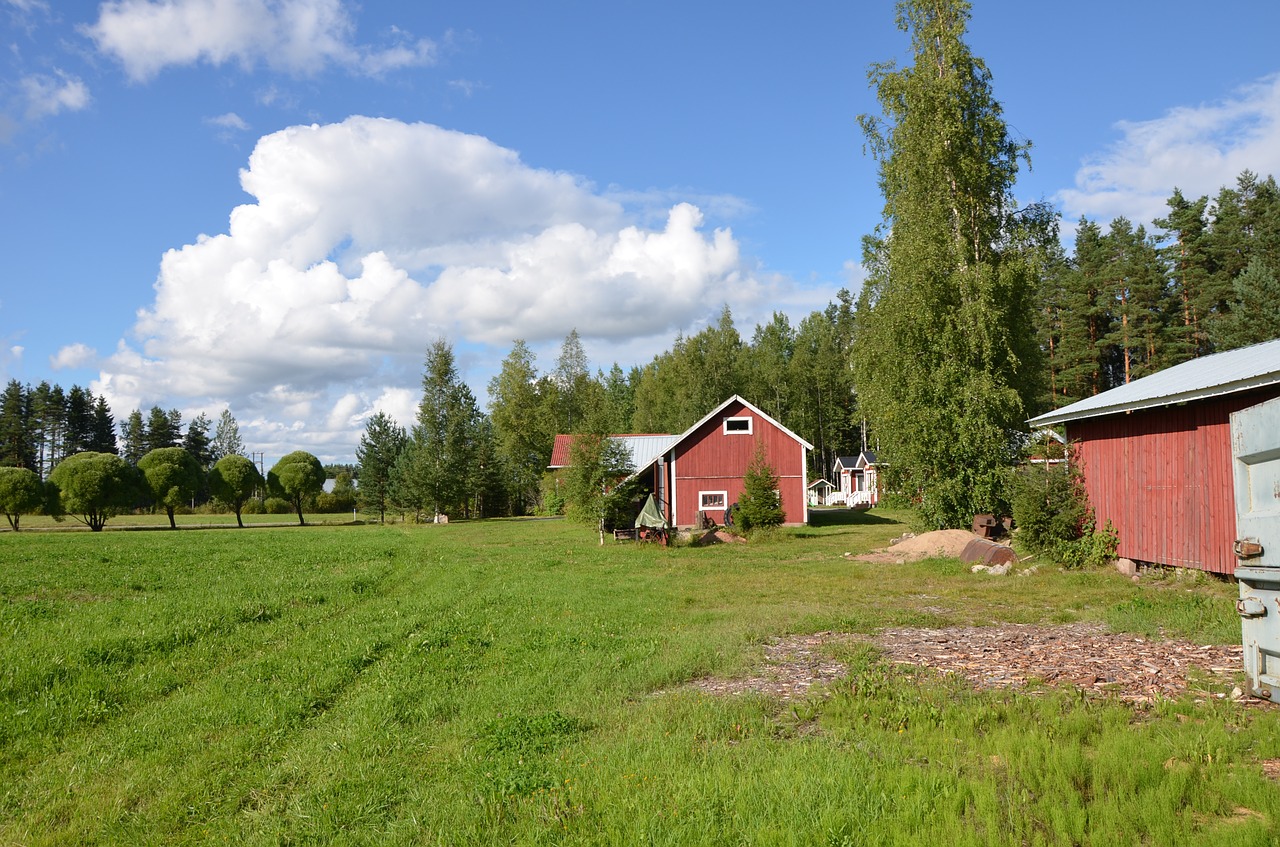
945, 356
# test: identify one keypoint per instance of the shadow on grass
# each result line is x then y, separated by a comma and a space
847, 517
825, 518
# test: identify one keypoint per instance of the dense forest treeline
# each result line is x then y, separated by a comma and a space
1126, 302
1130, 302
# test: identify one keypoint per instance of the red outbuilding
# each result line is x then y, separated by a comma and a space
703, 469
1156, 455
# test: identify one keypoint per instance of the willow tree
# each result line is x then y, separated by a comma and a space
945, 358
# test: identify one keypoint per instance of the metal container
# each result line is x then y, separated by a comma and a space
1255, 451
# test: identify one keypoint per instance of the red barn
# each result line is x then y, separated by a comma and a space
1156, 455
702, 470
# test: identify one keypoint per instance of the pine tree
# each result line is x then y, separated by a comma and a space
1189, 268
1086, 319
16, 448
1255, 309
47, 425
945, 355
1140, 305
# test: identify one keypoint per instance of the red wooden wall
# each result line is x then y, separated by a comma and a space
709, 460
1163, 479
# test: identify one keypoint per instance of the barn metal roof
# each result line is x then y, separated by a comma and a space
1243, 369
643, 448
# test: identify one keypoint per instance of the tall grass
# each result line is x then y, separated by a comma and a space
514, 682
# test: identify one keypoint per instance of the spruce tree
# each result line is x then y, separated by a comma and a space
522, 429
380, 447
444, 437
103, 439
134, 434
226, 437
78, 433
760, 504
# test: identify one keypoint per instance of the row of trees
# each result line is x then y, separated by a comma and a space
94, 487
41, 426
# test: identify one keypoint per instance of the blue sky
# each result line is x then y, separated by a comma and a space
275, 205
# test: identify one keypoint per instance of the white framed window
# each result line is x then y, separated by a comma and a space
737, 426
712, 499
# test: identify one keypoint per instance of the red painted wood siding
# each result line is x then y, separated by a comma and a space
1163, 479
709, 460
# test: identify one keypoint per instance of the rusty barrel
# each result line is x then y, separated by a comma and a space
988, 553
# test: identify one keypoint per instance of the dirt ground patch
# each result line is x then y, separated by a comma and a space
949, 543
1011, 655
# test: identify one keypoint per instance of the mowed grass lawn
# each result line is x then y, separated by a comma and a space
512, 682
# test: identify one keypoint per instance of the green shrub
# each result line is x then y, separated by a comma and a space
1052, 513
1092, 548
278, 506
551, 496
331, 504
253, 506
1049, 506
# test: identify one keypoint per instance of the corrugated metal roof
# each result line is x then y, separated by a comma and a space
643, 448
1208, 376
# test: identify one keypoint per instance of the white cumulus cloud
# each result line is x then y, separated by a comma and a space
47, 95
371, 237
1196, 148
299, 37
73, 356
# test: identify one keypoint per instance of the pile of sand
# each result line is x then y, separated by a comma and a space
941, 543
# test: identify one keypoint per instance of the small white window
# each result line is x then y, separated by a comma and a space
737, 426
712, 499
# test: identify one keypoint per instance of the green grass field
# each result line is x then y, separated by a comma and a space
512, 682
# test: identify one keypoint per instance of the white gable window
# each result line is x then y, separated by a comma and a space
737, 426
712, 499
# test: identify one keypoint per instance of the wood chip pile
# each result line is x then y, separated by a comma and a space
1086, 656
1082, 655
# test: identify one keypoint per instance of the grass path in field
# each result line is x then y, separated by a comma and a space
504, 682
